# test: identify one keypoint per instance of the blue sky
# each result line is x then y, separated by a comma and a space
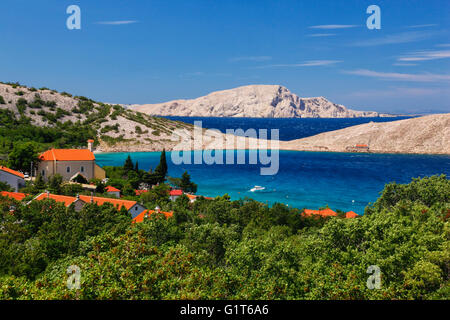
136, 51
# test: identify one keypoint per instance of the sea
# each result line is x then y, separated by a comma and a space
344, 181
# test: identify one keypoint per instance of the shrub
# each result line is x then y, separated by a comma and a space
50, 104
65, 94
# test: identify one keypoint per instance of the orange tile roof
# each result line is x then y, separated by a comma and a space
176, 192
140, 218
111, 189
351, 214
63, 199
11, 171
194, 197
324, 213
13, 195
117, 203
139, 192
361, 145
67, 155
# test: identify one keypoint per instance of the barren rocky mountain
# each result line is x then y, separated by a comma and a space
116, 128
254, 101
428, 134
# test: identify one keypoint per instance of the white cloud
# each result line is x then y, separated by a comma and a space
333, 26
404, 64
403, 37
204, 74
310, 63
251, 58
425, 55
118, 22
321, 35
192, 74
313, 63
422, 25
396, 92
425, 77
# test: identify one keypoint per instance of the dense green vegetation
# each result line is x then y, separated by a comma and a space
45, 124
19, 134
184, 183
222, 249
129, 177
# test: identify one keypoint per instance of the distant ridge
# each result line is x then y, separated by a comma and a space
254, 101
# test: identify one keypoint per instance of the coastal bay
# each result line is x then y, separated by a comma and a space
305, 180
420, 135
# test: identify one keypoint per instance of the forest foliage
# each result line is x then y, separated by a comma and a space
222, 249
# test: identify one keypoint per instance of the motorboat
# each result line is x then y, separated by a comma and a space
257, 188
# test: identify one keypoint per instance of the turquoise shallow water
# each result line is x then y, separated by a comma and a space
345, 181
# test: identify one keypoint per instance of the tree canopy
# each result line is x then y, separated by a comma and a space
222, 249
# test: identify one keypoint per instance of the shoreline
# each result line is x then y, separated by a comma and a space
286, 150
423, 135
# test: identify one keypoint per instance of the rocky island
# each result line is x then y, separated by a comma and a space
254, 101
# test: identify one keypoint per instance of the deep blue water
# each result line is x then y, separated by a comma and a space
346, 181
305, 179
290, 128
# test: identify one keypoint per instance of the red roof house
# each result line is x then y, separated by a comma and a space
13, 195
351, 214
13, 178
111, 189
70, 163
328, 213
132, 207
324, 213
176, 192
67, 155
11, 171
148, 213
66, 200
139, 192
